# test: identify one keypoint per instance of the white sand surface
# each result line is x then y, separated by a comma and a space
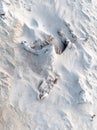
45, 85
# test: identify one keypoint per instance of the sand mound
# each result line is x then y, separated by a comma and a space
48, 82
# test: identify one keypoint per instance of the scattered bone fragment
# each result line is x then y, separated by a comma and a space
46, 86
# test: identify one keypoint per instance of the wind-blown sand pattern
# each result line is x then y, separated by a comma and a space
48, 65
